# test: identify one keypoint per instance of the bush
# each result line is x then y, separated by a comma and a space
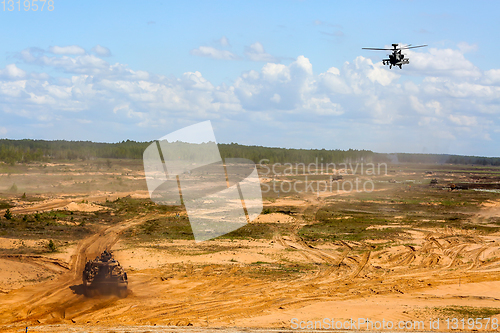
266, 211
8, 214
52, 246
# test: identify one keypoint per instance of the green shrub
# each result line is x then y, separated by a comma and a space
8, 214
51, 246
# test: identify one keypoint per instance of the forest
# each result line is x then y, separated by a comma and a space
28, 151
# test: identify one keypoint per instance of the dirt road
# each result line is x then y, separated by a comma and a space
52, 300
433, 268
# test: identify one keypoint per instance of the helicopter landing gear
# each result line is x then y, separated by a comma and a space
390, 66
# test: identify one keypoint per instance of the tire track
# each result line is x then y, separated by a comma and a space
44, 300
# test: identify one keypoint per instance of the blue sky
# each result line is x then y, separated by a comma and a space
272, 73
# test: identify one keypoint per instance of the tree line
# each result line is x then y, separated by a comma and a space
27, 151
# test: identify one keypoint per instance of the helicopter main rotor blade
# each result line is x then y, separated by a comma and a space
371, 48
412, 47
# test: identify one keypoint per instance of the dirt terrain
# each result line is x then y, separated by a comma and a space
419, 253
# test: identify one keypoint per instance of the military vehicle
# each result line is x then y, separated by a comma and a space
104, 275
396, 58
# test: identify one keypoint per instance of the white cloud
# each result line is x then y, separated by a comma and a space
441, 62
12, 91
492, 76
256, 52
212, 52
361, 102
12, 72
79, 64
224, 41
462, 120
323, 106
466, 47
378, 73
276, 98
257, 91
332, 82
126, 110
69, 50
101, 51
196, 81
276, 72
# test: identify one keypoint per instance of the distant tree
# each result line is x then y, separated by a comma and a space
27, 151
52, 246
8, 214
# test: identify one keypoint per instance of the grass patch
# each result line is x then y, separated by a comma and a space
47, 225
278, 271
197, 249
252, 231
128, 206
331, 225
347, 230
5, 204
467, 311
170, 227
173, 227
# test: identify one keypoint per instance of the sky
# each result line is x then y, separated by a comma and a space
269, 73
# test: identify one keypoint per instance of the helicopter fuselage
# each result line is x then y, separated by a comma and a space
396, 58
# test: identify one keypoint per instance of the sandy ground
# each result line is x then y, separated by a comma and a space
188, 284
83, 202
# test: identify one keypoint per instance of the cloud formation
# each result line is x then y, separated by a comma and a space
12, 72
453, 104
256, 52
224, 41
70, 50
443, 63
212, 52
101, 51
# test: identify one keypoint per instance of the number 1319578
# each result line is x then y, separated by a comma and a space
27, 5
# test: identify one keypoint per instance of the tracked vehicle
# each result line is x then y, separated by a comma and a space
104, 275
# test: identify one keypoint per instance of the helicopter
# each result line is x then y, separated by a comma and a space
396, 58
